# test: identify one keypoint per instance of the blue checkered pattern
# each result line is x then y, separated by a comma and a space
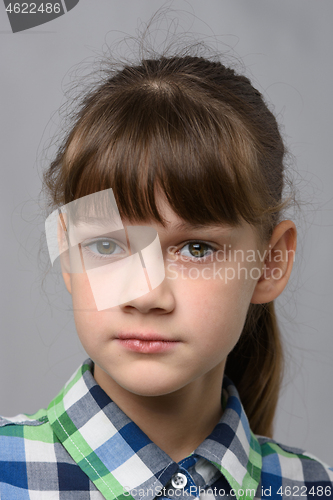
84, 447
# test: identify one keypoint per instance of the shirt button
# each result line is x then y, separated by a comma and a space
179, 480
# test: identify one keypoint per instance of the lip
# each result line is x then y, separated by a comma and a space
145, 336
147, 343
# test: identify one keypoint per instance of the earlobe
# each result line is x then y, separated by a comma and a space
278, 263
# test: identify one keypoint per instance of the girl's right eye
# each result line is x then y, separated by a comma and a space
104, 247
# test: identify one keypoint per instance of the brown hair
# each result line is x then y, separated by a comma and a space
204, 135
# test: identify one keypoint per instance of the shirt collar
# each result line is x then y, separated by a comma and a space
118, 457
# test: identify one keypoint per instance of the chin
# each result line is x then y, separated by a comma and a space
151, 388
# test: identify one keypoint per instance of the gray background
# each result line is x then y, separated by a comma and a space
286, 46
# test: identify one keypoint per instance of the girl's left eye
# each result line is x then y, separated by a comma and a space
196, 249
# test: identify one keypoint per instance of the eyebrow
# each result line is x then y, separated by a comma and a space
179, 226
184, 225
79, 220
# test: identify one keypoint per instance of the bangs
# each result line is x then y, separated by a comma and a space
202, 157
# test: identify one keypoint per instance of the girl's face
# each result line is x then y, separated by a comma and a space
181, 332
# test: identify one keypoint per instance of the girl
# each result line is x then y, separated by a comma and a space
172, 173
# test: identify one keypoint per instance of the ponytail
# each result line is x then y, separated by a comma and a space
255, 366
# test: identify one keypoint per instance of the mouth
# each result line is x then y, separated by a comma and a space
146, 343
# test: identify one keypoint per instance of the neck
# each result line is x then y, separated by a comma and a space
177, 422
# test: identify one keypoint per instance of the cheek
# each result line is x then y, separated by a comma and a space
82, 296
87, 318
214, 301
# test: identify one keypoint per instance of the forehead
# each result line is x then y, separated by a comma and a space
176, 223
175, 226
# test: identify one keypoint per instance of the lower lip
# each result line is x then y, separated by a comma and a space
147, 346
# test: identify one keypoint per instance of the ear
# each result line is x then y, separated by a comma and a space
64, 252
67, 279
280, 256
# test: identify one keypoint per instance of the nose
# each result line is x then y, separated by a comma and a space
160, 300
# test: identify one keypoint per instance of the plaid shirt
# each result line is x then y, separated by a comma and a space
85, 448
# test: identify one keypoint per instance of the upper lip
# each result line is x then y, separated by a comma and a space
143, 336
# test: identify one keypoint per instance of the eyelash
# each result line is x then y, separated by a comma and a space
210, 248
99, 256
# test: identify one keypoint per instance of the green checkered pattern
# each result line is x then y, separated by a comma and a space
83, 447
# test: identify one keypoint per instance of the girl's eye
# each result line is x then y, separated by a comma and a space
196, 249
104, 247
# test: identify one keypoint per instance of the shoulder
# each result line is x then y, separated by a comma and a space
294, 472
23, 419
25, 435
8, 424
